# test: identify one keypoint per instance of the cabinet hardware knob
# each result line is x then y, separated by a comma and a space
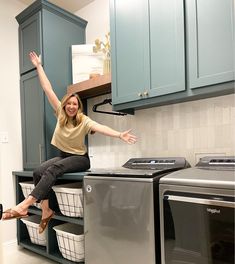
146, 93
140, 94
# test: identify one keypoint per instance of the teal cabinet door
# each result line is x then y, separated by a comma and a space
147, 40
30, 39
167, 51
32, 114
130, 49
210, 41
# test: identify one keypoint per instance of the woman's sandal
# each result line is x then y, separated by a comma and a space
44, 222
12, 214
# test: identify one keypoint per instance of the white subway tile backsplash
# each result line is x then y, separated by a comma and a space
185, 129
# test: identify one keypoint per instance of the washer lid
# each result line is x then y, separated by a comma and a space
143, 167
156, 163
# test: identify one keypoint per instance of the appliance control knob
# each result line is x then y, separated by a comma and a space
88, 188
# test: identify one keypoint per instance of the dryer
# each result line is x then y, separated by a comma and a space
197, 213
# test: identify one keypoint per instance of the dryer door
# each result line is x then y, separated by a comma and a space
198, 228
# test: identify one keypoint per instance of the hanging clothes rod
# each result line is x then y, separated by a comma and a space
106, 101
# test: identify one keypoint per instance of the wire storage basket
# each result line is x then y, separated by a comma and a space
70, 198
27, 188
70, 238
32, 224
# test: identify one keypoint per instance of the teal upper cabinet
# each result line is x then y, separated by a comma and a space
163, 49
166, 38
30, 38
130, 50
147, 39
50, 31
210, 41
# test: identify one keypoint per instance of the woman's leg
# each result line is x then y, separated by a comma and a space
38, 172
45, 177
68, 164
72, 163
22, 208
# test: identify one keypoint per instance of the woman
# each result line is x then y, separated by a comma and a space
69, 137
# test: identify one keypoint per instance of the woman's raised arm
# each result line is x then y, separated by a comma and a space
45, 83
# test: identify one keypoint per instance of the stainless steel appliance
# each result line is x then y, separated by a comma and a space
197, 213
121, 211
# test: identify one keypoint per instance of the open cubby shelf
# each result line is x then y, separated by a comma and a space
51, 250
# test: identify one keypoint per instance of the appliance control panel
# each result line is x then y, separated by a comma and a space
210, 162
155, 163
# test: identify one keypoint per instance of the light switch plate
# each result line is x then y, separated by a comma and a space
4, 137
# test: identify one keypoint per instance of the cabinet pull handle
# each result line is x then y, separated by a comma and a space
40, 153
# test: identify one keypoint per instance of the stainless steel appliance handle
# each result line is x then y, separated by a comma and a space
200, 201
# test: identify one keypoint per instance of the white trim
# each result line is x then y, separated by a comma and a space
9, 243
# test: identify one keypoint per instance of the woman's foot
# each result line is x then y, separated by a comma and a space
20, 210
46, 213
15, 212
46, 217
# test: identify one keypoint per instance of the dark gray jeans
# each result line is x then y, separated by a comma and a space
45, 175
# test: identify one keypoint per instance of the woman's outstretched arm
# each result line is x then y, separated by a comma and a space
125, 135
45, 83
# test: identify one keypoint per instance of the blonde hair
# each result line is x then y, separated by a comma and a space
63, 117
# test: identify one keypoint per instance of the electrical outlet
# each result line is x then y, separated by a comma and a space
4, 137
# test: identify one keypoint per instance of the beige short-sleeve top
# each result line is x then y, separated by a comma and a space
71, 139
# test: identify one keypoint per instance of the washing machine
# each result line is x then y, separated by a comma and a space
121, 211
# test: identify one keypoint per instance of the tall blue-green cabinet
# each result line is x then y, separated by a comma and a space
50, 31
147, 39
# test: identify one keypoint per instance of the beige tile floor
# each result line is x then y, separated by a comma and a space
15, 255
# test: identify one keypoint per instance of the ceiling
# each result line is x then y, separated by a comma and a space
69, 5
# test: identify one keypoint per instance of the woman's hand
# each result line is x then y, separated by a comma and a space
127, 137
45, 83
105, 130
34, 59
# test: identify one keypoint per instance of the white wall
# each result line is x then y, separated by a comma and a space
97, 15
10, 120
191, 129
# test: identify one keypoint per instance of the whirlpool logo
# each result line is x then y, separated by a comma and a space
213, 210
